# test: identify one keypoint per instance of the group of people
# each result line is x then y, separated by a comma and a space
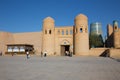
44, 54
68, 53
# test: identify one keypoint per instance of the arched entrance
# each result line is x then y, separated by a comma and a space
65, 46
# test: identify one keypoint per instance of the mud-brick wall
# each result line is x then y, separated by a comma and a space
97, 51
114, 53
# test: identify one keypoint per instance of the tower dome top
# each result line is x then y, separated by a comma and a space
81, 16
49, 19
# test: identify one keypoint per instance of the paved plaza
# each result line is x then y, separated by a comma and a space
59, 68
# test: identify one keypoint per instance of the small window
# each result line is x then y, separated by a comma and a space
45, 31
66, 32
115, 27
86, 30
65, 43
50, 32
71, 32
81, 30
58, 31
62, 32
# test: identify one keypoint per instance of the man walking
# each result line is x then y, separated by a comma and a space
27, 54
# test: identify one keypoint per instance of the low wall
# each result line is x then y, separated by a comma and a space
105, 52
97, 51
114, 53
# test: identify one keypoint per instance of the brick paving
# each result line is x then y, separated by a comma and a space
59, 68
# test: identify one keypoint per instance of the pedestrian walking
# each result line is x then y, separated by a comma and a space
0, 53
28, 54
41, 54
45, 53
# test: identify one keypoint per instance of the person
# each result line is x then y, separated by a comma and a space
41, 54
70, 54
0, 53
45, 53
66, 53
27, 54
12, 53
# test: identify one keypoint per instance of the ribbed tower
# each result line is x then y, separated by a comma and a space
48, 36
96, 28
81, 35
116, 34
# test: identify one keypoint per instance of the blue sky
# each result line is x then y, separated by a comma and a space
27, 15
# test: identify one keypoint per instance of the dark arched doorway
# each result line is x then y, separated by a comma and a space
64, 48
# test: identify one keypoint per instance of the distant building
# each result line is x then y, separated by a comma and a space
96, 39
96, 28
113, 35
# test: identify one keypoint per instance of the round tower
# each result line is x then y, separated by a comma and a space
81, 35
115, 33
48, 36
